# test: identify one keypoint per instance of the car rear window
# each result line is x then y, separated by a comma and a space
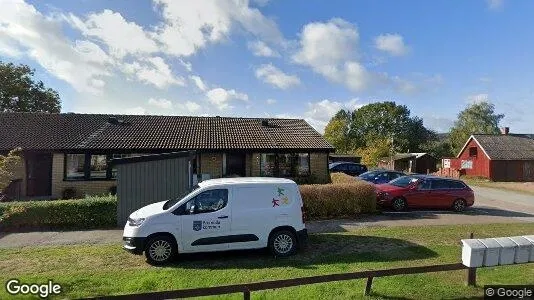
456, 184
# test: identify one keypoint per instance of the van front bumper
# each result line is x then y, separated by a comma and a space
302, 238
134, 245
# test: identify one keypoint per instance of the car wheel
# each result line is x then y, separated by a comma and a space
459, 205
160, 250
399, 204
283, 243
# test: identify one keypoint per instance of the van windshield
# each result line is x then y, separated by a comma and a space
173, 201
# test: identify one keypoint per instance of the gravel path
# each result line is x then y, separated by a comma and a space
491, 206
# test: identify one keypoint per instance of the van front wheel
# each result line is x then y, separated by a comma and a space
160, 250
283, 243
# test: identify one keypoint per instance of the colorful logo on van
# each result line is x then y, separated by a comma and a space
197, 225
281, 198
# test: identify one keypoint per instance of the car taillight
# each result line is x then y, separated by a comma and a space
303, 214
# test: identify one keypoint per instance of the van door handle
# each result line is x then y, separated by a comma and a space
223, 217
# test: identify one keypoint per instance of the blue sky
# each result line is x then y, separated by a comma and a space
257, 58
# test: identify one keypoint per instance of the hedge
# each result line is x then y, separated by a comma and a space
91, 212
346, 197
338, 200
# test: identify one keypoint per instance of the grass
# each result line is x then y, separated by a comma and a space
521, 187
92, 270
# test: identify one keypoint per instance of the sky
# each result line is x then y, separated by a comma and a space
275, 58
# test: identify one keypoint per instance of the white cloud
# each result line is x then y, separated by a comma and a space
82, 64
330, 49
122, 37
319, 113
494, 4
270, 101
439, 124
7, 49
192, 25
273, 76
153, 70
478, 98
138, 110
221, 97
392, 44
160, 103
187, 65
260, 48
192, 106
199, 83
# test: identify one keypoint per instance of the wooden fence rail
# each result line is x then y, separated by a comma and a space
275, 284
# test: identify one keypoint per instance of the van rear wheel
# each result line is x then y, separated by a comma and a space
283, 243
160, 250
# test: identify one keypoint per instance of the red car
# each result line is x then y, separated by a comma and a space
422, 191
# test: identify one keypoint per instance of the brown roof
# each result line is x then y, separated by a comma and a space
93, 131
506, 147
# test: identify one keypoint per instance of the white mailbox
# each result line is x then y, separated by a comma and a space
522, 251
493, 252
473, 253
530, 238
507, 251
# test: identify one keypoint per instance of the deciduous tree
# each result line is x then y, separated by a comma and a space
476, 118
20, 92
9, 167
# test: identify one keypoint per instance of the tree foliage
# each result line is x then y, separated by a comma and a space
337, 130
9, 167
476, 118
374, 151
19, 92
388, 121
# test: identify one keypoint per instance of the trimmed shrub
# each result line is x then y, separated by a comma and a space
91, 212
329, 201
343, 178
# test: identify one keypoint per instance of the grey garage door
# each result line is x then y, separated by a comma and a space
148, 179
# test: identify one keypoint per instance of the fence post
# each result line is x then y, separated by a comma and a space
471, 272
368, 285
246, 294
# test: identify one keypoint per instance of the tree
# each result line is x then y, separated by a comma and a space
9, 167
388, 121
337, 130
476, 118
374, 151
19, 92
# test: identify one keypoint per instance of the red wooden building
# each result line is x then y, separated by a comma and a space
505, 157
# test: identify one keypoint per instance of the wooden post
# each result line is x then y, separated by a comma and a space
471, 272
246, 295
368, 285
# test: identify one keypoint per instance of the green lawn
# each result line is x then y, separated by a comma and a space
91, 270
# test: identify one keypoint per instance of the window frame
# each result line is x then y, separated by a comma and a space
87, 165
471, 152
294, 160
183, 208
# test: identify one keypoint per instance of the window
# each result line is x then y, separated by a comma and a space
284, 165
473, 151
425, 185
440, 184
353, 168
208, 201
456, 184
392, 175
303, 164
75, 166
99, 166
267, 164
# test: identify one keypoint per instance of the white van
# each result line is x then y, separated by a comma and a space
218, 215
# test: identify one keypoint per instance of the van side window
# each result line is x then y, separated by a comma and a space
208, 201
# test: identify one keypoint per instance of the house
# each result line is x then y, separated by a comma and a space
422, 163
71, 151
499, 157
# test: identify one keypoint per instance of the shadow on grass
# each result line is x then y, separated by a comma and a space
322, 249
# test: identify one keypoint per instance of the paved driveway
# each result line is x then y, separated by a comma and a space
491, 206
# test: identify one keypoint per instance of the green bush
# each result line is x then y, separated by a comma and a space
91, 212
338, 200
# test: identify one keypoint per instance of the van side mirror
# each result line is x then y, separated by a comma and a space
192, 210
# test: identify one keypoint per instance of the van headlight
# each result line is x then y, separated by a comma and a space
135, 222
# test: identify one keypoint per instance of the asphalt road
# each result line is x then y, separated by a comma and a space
491, 206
